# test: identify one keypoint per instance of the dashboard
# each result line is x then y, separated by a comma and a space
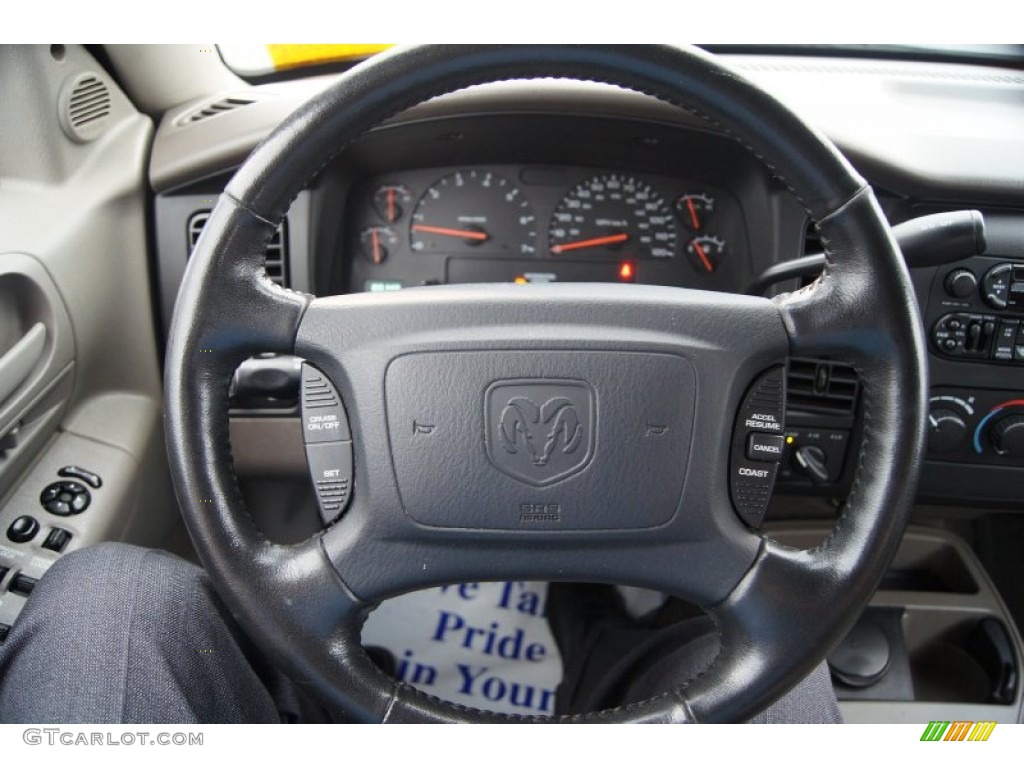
537, 182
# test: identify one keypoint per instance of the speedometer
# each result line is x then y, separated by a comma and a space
613, 216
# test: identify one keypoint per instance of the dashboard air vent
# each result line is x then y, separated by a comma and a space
217, 108
85, 107
277, 248
821, 386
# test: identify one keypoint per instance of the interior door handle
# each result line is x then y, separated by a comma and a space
18, 362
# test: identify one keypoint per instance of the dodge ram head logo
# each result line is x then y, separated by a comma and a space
540, 431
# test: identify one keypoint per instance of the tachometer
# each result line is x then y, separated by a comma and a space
473, 211
613, 216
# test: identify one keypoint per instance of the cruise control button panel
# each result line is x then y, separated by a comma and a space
323, 416
330, 464
757, 445
764, 447
328, 441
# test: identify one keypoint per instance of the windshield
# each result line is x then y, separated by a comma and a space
981, 53
258, 61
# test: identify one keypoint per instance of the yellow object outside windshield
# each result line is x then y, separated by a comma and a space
305, 55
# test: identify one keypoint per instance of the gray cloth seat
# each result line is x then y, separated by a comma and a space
119, 634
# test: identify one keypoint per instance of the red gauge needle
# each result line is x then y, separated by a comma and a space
703, 257
376, 246
391, 205
593, 243
467, 234
693, 213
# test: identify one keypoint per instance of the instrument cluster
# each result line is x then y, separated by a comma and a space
542, 223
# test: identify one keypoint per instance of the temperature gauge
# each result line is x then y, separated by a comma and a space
695, 211
377, 243
391, 202
706, 253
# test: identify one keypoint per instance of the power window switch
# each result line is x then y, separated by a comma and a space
23, 585
57, 540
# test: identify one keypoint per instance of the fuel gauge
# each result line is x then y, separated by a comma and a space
695, 210
377, 243
706, 253
391, 201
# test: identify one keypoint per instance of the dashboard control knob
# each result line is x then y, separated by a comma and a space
1008, 435
995, 286
961, 283
812, 461
947, 430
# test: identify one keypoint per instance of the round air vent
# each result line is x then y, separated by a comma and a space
84, 106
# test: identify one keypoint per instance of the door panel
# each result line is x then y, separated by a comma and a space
79, 373
36, 357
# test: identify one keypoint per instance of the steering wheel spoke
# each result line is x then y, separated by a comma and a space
497, 434
376, 569
789, 593
837, 315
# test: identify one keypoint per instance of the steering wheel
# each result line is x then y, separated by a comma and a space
640, 387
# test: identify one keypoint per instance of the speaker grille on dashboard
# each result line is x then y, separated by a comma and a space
85, 107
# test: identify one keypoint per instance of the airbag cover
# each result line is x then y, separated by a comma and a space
565, 440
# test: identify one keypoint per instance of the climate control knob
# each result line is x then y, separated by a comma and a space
1008, 435
946, 430
961, 283
813, 462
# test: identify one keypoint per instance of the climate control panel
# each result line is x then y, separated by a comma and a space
976, 426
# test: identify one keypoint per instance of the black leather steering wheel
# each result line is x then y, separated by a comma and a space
445, 513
